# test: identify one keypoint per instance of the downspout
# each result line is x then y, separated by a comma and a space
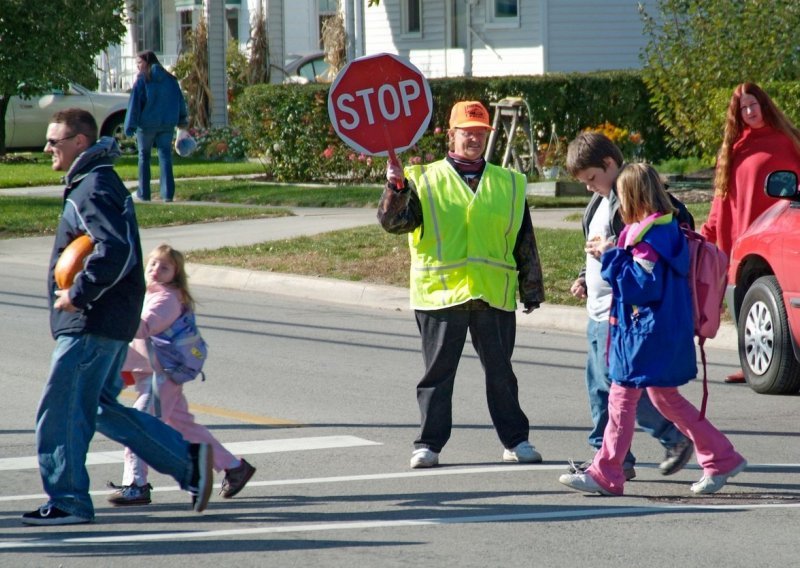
468, 47
543, 15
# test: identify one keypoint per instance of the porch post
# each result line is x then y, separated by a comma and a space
217, 81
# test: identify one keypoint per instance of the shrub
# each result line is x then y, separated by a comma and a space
220, 144
288, 128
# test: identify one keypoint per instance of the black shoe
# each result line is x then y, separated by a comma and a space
202, 475
677, 457
130, 494
48, 515
236, 478
627, 469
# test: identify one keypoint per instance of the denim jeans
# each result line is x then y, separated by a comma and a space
444, 333
81, 396
161, 138
598, 385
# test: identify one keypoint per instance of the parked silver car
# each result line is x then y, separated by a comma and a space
310, 68
27, 119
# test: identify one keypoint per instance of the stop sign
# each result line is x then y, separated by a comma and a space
379, 103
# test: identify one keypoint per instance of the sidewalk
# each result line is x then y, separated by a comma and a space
307, 221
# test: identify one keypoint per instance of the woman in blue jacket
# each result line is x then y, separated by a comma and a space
155, 108
652, 338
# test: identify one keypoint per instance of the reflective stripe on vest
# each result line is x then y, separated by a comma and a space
465, 248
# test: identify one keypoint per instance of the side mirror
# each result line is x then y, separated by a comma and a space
782, 183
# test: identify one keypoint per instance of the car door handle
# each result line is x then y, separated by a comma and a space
29, 105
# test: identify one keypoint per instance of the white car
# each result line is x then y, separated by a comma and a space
27, 119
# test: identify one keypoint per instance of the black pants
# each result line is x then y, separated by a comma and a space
444, 333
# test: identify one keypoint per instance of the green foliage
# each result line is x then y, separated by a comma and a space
236, 70
288, 128
47, 44
224, 144
697, 47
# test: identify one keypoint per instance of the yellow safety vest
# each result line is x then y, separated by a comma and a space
464, 249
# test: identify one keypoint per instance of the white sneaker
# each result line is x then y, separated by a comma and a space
583, 482
713, 483
423, 457
523, 452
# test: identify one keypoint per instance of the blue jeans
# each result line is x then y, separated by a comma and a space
161, 138
81, 396
598, 385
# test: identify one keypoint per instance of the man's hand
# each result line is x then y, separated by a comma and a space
578, 288
394, 174
63, 302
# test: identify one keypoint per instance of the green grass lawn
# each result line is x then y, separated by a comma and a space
21, 174
369, 254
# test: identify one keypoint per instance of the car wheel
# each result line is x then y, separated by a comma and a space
115, 126
765, 340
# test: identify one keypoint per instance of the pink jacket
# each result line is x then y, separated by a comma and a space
162, 306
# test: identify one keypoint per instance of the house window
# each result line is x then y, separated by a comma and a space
184, 29
327, 10
412, 17
146, 15
502, 13
232, 19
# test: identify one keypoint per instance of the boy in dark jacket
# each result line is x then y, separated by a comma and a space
92, 323
594, 160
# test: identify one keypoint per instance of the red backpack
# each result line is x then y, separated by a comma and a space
708, 277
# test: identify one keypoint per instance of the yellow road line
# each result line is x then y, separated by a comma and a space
225, 413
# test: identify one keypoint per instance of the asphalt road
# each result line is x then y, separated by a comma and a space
320, 398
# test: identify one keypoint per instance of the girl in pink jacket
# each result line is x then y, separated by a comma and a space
167, 298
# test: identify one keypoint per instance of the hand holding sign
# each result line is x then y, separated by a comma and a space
380, 104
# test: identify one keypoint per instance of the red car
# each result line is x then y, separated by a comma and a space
764, 291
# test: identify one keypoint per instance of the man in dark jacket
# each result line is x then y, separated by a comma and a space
92, 323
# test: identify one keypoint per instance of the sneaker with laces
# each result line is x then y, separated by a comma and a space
424, 457
627, 468
130, 494
524, 452
677, 457
202, 475
49, 515
583, 482
713, 483
235, 479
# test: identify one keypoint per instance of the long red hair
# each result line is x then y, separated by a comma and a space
734, 127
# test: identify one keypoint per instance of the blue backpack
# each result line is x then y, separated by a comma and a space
180, 349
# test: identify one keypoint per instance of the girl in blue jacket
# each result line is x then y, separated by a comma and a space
652, 338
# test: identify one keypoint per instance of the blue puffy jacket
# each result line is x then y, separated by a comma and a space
156, 103
652, 327
109, 292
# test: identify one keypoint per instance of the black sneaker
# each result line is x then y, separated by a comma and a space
236, 478
202, 475
677, 457
48, 515
130, 494
627, 469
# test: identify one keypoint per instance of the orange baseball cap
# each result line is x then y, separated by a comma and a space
469, 113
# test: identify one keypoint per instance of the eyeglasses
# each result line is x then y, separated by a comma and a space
54, 142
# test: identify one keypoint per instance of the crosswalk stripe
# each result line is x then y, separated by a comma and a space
238, 448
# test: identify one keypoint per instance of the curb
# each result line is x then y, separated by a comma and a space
547, 318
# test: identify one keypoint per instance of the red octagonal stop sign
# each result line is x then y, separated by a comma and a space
380, 102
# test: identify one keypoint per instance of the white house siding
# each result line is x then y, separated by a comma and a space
300, 23
594, 35
426, 51
495, 50
515, 50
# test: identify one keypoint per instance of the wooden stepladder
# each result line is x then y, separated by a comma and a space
512, 122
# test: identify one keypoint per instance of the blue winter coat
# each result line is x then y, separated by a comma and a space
110, 290
156, 103
652, 329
